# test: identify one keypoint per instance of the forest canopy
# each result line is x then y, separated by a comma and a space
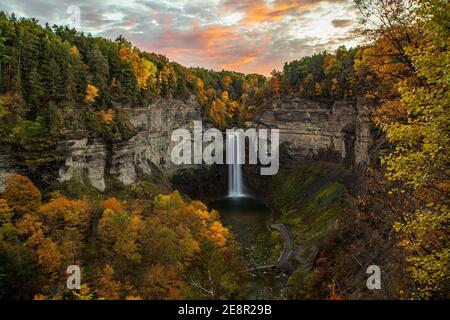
54, 79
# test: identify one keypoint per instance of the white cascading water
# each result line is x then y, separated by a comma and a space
235, 183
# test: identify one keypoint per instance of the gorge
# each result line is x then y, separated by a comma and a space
356, 180
338, 132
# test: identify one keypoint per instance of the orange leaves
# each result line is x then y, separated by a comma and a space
107, 287
45, 250
275, 83
112, 204
74, 213
49, 257
91, 93
387, 61
224, 97
74, 51
21, 194
212, 229
30, 225
211, 93
106, 116
202, 224
162, 282
39, 297
218, 234
335, 296
131, 256
226, 80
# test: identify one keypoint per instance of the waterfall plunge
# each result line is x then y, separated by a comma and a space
235, 183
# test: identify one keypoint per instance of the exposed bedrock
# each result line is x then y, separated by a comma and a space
337, 132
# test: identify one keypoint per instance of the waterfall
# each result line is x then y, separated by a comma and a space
235, 183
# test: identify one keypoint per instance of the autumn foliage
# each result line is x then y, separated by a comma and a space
125, 249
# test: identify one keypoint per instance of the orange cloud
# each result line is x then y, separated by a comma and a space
243, 46
239, 63
216, 46
257, 11
218, 36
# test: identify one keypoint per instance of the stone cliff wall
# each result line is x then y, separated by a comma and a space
137, 158
127, 161
309, 129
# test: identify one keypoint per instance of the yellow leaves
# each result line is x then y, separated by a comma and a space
106, 116
74, 51
218, 234
3, 110
143, 70
430, 272
203, 214
224, 97
176, 236
119, 231
91, 93
226, 80
202, 224
318, 89
197, 83
6, 212
330, 64
85, 293
233, 106
146, 71
425, 239
385, 59
39, 297
218, 113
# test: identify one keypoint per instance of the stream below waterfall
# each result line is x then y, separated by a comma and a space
250, 221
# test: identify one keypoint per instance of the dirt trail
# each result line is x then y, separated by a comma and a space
283, 261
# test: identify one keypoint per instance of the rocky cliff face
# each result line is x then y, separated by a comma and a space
140, 157
137, 158
337, 131
308, 129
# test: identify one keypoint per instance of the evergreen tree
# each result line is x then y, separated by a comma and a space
35, 91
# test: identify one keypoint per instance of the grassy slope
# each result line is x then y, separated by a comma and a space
308, 203
312, 203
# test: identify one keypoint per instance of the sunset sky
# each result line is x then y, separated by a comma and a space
241, 35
